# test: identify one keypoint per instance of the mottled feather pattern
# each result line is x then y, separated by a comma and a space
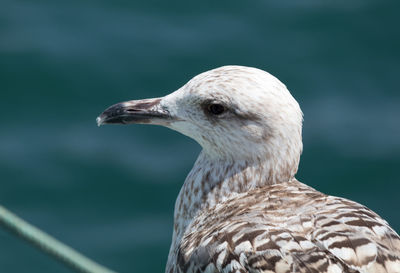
288, 227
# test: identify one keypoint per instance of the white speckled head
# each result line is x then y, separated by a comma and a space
236, 113
260, 119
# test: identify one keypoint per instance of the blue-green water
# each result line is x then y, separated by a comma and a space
110, 191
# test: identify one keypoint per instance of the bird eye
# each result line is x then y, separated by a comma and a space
216, 109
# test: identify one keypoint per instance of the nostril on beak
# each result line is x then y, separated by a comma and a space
132, 110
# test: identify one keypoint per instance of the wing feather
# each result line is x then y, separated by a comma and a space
308, 233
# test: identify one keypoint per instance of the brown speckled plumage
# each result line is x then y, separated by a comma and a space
287, 227
240, 208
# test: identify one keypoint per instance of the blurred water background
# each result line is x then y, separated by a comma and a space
109, 192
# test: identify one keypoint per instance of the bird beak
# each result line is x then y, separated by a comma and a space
135, 111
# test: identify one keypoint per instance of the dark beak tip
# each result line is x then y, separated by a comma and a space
139, 112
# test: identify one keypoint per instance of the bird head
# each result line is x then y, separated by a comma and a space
233, 112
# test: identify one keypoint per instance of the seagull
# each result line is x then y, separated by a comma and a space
241, 209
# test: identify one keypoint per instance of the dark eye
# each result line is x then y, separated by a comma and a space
216, 109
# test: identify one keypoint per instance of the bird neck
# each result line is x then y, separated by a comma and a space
212, 181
